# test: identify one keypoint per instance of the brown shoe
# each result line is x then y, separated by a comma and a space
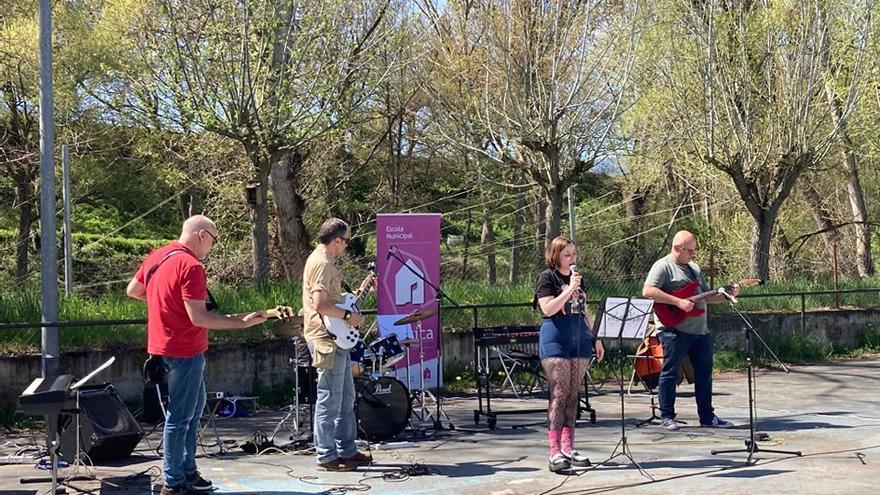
337, 465
359, 459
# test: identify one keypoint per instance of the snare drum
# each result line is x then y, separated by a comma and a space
388, 350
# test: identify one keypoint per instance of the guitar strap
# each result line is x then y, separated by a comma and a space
694, 276
210, 304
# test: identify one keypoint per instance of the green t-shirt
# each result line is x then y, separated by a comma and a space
669, 276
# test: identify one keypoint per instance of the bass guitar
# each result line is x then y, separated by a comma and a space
671, 315
344, 334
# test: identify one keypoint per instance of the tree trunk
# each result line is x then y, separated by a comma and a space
853, 188
518, 219
633, 246
759, 253
763, 197
293, 237
821, 215
487, 241
554, 214
850, 163
540, 232
23, 196
467, 245
259, 217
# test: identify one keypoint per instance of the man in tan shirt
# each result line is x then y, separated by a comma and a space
335, 424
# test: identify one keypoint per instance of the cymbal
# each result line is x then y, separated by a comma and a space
415, 316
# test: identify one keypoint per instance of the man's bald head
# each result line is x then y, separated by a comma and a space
195, 223
684, 245
683, 237
199, 233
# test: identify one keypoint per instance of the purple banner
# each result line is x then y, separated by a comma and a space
407, 247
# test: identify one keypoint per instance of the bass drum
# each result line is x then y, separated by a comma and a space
382, 407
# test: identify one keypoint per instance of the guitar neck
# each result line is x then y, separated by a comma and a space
703, 295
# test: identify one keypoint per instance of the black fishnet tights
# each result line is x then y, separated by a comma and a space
564, 377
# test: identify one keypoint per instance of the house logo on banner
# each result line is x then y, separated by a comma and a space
408, 287
413, 246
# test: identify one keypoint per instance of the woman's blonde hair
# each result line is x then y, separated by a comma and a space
555, 249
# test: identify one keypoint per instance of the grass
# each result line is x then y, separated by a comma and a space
23, 305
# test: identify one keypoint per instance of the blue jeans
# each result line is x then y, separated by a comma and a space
677, 345
186, 400
335, 425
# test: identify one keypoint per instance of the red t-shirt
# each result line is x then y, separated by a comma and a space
181, 276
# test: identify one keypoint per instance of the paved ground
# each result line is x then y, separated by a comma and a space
831, 413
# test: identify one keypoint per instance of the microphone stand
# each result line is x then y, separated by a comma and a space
751, 443
438, 425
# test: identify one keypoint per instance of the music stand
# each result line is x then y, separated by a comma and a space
60, 383
621, 317
77, 461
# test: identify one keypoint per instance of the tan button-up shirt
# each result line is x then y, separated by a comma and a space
320, 275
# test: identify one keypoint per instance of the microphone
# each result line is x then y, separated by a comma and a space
388, 256
573, 268
727, 295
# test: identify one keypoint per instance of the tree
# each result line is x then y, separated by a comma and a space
551, 78
742, 85
272, 75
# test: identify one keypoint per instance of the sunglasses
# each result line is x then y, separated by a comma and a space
688, 250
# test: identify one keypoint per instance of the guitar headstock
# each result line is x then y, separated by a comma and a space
371, 269
283, 313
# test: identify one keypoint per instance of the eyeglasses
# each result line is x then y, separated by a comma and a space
346, 239
688, 250
214, 237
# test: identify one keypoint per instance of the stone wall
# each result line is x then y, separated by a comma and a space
250, 368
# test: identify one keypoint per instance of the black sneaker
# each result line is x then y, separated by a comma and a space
174, 490
196, 483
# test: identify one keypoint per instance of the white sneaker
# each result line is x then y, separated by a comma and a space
669, 424
576, 458
559, 463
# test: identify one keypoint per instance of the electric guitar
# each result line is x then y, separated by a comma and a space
671, 315
344, 334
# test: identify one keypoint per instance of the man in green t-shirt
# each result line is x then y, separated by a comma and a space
670, 274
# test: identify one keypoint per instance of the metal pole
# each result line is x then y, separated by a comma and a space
68, 246
836, 277
48, 245
571, 218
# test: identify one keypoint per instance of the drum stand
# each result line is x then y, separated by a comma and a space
424, 412
293, 410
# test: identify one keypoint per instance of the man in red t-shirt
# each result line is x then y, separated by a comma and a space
173, 283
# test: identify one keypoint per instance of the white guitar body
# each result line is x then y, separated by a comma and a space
345, 335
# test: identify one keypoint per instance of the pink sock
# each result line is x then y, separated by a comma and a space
567, 439
554, 441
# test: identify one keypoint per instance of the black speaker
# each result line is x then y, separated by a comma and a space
107, 430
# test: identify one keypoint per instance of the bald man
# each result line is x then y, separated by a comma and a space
173, 283
689, 338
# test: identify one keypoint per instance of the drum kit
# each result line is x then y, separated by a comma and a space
384, 405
